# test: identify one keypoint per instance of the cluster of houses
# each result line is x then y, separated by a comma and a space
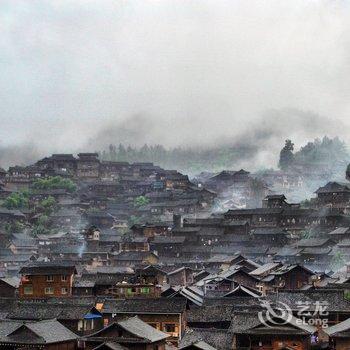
138, 257
234, 305
107, 189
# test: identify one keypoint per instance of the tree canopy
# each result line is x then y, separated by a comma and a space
286, 155
47, 205
17, 200
54, 182
183, 159
330, 151
327, 153
140, 201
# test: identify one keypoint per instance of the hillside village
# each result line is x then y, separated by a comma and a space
113, 255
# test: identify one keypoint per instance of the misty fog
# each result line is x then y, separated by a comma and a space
78, 75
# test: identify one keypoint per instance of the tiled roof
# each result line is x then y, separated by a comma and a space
52, 268
46, 332
141, 329
45, 311
145, 306
221, 339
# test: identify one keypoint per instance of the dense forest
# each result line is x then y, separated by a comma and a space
326, 152
188, 160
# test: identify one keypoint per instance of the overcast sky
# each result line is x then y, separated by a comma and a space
81, 74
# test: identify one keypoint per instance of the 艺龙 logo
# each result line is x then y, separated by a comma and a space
310, 313
278, 314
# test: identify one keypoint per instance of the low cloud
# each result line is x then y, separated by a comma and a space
82, 74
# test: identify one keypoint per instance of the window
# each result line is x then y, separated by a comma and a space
64, 278
64, 290
88, 325
49, 290
28, 290
49, 278
145, 290
169, 327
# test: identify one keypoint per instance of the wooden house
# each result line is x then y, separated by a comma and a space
134, 244
131, 290
47, 335
285, 333
106, 188
112, 170
208, 338
227, 178
275, 201
78, 315
88, 166
59, 163
11, 215
182, 276
65, 218
150, 229
101, 218
340, 233
290, 277
273, 235
151, 274
131, 333
334, 194
9, 287
45, 280
165, 314
134, 258
339, 336
167, 245
259, 217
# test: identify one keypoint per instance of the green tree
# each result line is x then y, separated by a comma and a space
15, 226
47, 205
305, 204
286, 155
43, 220
54, 182
348, 172
40, 230
42, 226
306, 234
17, 200
133, 220
140, 201
112, 151
326, 152
122, 155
